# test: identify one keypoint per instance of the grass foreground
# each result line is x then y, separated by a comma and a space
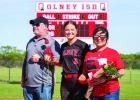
13, 91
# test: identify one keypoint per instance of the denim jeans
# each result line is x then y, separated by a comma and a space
110, 96
37, 93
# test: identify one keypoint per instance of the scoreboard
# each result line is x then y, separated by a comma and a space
87, 15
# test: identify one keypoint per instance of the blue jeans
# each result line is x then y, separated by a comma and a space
110, 96
37, 93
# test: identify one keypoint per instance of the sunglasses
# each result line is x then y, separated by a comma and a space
102, 37
37, 24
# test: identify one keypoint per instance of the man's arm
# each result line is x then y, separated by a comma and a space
23, 76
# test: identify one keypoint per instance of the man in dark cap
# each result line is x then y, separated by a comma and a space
37, 74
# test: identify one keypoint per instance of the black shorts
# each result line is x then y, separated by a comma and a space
71, 89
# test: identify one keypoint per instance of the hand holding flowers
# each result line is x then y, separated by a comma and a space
97, 78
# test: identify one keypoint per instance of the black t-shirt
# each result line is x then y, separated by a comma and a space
72, 56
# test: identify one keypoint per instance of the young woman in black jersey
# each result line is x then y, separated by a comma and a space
72, 57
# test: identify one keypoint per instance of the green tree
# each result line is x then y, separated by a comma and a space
11, 56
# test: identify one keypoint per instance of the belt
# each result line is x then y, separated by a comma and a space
71, 75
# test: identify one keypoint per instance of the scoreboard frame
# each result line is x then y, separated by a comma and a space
87, 15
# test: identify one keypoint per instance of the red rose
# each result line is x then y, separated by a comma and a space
46, 41
49, 52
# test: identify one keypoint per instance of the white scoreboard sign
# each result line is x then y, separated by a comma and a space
87, 15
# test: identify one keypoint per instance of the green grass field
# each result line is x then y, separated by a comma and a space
129, 85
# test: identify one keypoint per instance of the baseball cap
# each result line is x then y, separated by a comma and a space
39, 20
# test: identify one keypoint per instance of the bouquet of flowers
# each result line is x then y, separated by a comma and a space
49, 56
47, 50
109, 69
97, 78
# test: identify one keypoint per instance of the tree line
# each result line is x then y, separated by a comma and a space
10, 56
